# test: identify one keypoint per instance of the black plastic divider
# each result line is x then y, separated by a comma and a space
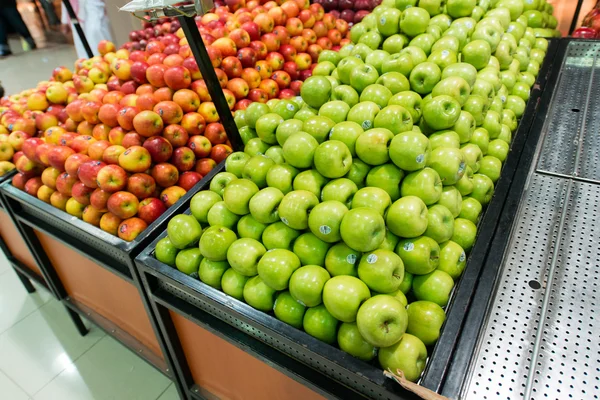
457, 369
329, 369
462, 300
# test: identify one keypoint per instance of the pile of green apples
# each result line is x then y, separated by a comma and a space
353, 207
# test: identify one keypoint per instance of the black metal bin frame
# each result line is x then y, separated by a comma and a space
322, 367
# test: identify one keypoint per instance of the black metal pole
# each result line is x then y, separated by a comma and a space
75, 22
575, 16
188, 24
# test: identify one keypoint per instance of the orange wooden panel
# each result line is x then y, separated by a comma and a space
104, 292
230, 373
15, 243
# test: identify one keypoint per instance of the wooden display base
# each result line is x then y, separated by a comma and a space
14, 242
227, 372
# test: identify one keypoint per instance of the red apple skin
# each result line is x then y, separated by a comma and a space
29, 147
177, 77
151, 209
92, 215
160, 149
141, 185
88, 173
100, 132
187, 99
188, 179
171, 195
33, 185
247, 57
130, 228
169, 111
148, 123
107, 114
135, 159
193, 123
200, 145
138, 72
73, 163
145, 102
183, 158
232, 66
90, 110
132, 139
81, 143
96, 149
165, 174
42, 153
49, 177
58, 156
65, 182
110, 223
215, 133
220, 152
260, 48
155, 74
123, 204
112, 178
125, 117
19, 181
176, 134
99, 198
111, 154
81, 193
164, 94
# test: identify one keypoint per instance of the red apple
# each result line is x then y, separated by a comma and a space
73, 162
141, 185
33, 185
125, 117
81, 193
112, 178
183, 158
99, 198
123, 204
111, 154
88, 173
260, 48
177, 77
169, 111
150, 209
58, 155
138, 72
165, 174
193, 123
160, 149
65, 182
220, 152
135, 159
96, 149
171, 195
148, 123
110, 223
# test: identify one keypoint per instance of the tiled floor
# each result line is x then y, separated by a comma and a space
42, 357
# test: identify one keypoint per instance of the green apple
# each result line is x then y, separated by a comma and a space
376, 93
394, 118
232, 283
355, 33
477, 106
410, 150
402, 63
350, 340
310, 249
288, 310
248, 227
483, 188
184, 231
489, 33
336, 110
364, 114
425, 320
254, 112
239, 117
522, 90
441, 112
343, 295
341, 190
541, 43
408, 355
165, 252
424, 41
453, 86
382, 320
363, 76
211, 272
333, 158
388, 23
441, 20
363, 229
420, 255
256, 170
312, 181
477, 53
465, 184
247, 135
386, 177
347, 132
346, 66
318, 127
325, 219
235, 163
499, 149
286, 129
319, 323
264, 205
394, 81
473, 155
443, 58
465, 126
345, 93
275, 153
266, 127
435, 286
381, 270
451, 199
243, 255
414, 21
394, 43
411, 101
406, 284
460, 32
465, 232
329, 55
407, 217
462, 70
481, 138
372, 146
404, 4
448, 43
188, 261
440, 224
526, 77
342, 260
491, 167
316, 91
281, 176
237, 195
390, 242
295, 207
425, 184
220, 181
444, 139
452, 259
215, 242
376, 59
276, 267
371, 40
372, 197
433, 7
460, 8
358, 172
258, 295
279, 236
201, 203
470, 209
424, 77
324, 68
306, 284
299, 150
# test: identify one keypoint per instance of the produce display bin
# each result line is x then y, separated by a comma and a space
326, 370
94, 272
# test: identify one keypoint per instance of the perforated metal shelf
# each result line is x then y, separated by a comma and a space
540, 337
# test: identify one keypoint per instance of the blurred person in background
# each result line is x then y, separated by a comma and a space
10, 17
94, 23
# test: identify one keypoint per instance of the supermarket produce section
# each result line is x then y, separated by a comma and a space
285, 199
